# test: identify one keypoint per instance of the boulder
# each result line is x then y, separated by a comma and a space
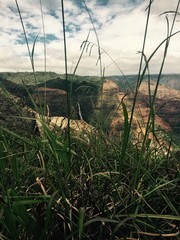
58, 124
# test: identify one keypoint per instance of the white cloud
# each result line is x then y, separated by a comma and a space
161, 6
120, 27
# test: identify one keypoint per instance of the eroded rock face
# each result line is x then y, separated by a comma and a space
110, 87
17, 117
166, 110
55, 99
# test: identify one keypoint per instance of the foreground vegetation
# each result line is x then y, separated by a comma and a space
64, 186
89, 192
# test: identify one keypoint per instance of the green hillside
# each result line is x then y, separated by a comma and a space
83, 90
63, 184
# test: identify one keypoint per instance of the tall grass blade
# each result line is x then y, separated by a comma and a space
81, 223
126, 129
66, 77
44, 36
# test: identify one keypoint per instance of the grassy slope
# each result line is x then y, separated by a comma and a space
84, 90
90, 192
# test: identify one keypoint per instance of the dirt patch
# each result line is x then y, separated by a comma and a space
142, 110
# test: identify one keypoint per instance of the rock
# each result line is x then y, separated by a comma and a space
18, 118
58, 124
56, 99
79, 126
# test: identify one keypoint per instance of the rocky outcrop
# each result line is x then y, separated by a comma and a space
55, 99
18, 118
60, 124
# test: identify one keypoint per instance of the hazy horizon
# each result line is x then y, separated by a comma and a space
135, 74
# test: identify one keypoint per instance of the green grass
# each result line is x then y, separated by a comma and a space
96, 195
61, 186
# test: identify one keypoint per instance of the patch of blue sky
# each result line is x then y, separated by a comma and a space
32, 37
20, 39
30, 26
50, 38
79, 3
98, 2
102, 2
71, 28
53, 13
135, 2
39, 38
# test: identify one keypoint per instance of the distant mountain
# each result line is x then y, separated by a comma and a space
166, 108
168, 80
84, 91
30, 78
88, 103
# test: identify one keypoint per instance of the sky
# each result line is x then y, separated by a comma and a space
119, 30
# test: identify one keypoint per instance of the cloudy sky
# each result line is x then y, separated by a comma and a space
119, 25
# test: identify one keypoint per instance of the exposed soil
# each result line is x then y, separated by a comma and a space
167, 111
